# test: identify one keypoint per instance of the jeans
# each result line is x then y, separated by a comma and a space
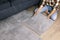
49, 8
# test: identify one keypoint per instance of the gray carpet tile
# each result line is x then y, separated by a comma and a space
19, 26
39, 23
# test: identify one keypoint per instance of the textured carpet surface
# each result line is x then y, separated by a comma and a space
23, 27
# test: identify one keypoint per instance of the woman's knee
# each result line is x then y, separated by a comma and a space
54, 16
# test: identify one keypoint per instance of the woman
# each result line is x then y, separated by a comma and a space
50, 7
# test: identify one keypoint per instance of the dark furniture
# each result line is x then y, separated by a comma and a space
11, 7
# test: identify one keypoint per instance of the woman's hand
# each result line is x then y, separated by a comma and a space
53, 11
38, 10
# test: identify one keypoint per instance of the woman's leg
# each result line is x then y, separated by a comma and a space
42, 10
54, 16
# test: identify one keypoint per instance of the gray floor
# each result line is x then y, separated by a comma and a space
22, 26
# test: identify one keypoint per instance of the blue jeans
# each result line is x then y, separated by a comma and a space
49, 8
